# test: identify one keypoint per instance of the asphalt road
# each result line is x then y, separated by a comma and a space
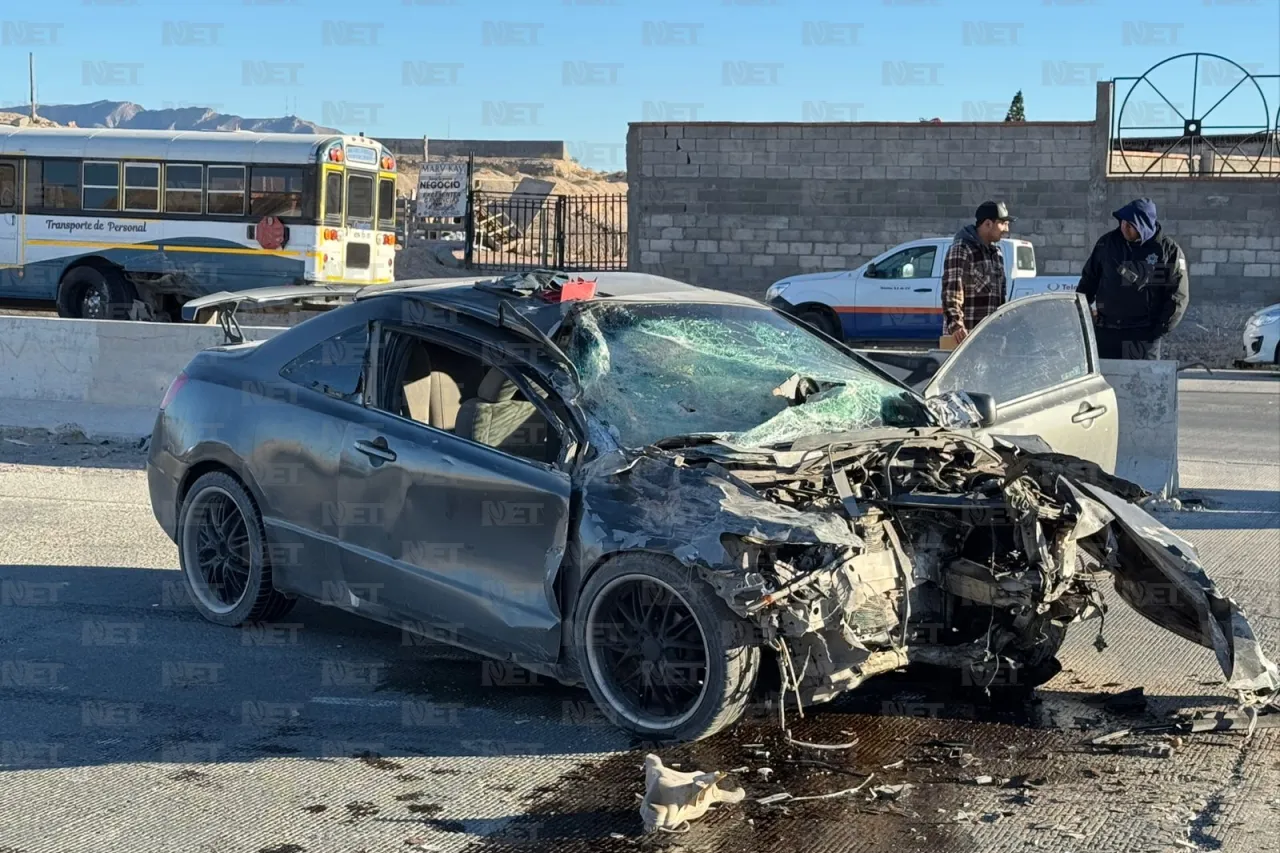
128, 723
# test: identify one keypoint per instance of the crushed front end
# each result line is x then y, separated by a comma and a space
933, 547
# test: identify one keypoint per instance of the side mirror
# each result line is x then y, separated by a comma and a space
964, 410
871, 270
986, 406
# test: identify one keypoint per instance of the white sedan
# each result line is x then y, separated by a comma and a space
1262, 337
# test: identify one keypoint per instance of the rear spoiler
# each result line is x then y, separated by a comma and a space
221, 307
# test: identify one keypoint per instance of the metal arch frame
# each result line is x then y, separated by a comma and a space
1194, 127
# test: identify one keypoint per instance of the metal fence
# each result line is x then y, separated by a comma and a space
1155, 134
513, 231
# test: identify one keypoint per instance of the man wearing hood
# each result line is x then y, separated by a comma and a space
1136, 280
973, 279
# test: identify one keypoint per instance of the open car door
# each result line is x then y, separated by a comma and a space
1038, 359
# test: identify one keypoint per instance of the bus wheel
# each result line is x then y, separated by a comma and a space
87, 293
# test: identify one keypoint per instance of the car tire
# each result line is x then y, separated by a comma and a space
218, 514
822, 318
725, 668
115, 294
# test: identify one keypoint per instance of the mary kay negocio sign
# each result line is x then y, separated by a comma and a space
442, 190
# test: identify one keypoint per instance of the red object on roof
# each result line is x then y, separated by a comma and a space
578, 288
572, 290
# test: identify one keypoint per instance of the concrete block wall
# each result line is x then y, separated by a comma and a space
737, 206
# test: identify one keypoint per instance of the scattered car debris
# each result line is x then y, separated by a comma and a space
892, 792
1127, 703
765, 773
984, 780
673, 798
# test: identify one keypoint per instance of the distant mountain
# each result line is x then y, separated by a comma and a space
126, 114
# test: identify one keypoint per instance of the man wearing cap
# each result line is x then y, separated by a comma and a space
1137, 283
973, 279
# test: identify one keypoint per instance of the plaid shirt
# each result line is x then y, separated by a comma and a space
973, 285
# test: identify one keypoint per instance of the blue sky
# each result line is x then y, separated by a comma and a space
497, 70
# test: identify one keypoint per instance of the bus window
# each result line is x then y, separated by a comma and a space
226, 190
142, 187
8, 186
53, 184
386, 204
101, 186
333, 197
359, 197
183, 188
276, 191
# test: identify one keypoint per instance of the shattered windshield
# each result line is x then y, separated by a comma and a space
745, 374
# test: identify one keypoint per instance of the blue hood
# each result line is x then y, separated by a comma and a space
1141, 214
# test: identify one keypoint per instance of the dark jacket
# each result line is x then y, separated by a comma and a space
1140, 289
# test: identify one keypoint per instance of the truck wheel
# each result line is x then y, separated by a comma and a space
661, 654
822, 318
87, 293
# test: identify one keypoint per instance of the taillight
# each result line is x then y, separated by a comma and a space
174, 387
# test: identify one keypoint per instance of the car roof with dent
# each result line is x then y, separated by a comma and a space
611, 287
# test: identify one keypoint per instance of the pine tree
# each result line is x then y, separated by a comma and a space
1016, 111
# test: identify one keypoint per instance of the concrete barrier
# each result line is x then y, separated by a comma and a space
1147, 403
103, 377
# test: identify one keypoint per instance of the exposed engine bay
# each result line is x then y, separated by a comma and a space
953, 553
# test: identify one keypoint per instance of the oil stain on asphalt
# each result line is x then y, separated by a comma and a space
914, 728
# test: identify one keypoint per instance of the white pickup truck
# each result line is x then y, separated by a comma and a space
898, 294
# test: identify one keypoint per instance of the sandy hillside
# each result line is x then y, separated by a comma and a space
502, 174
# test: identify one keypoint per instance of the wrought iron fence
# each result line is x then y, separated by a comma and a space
1169, 141
514, 231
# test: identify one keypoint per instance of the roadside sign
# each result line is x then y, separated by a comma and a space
443, 190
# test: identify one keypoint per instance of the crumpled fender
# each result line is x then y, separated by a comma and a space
653, 503
1191, 606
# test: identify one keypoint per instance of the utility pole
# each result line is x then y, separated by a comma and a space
31, 76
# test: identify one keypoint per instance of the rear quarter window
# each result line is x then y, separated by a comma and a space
334, 366
1026, 258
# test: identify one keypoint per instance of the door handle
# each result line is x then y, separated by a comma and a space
376, 449
924, 290
1087, 413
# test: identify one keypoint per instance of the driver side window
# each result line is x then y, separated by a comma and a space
916, 262
1033, 347
453, 391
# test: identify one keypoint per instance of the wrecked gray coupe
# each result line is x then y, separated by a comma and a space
656, 489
